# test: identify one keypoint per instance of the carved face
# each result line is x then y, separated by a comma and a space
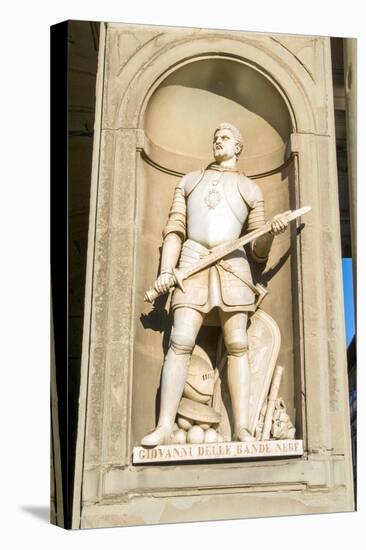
224, 145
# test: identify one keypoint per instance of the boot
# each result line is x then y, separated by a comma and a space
239, 387
174, 377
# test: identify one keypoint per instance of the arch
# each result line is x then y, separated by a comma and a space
151, 65
186, 107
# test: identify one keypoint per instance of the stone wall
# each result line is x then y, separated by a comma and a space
281, 93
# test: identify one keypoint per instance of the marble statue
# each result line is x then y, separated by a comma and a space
209, 209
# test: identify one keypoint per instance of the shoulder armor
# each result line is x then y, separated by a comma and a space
190, 180
249, 190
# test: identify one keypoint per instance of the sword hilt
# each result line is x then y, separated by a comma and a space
151, 294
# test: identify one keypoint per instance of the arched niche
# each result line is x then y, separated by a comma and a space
186, 107
138, 79
179, 119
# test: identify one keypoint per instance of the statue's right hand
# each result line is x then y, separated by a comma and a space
164, 282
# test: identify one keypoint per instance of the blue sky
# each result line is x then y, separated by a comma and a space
348, 298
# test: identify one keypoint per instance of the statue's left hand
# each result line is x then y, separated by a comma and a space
279, 223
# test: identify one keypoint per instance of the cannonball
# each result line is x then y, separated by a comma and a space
195, 435
210, 436
175, 427
204, 425
184, 423
179, 437
220, 439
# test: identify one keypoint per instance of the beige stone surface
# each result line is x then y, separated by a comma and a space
123, 338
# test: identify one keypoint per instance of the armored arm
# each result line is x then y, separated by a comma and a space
175, 230
174, 234
253, 197
261, 247
170, 254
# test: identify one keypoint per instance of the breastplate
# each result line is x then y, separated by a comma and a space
216, 211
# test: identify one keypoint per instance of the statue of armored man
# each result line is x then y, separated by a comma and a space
209, 210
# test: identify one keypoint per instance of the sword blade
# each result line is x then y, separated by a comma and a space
223, 250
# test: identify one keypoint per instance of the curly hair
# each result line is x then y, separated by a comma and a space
236, 133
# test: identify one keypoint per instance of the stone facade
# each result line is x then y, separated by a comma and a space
160, 92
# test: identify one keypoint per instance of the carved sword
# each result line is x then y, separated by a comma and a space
219, 252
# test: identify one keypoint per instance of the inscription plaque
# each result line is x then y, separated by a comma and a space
221, 451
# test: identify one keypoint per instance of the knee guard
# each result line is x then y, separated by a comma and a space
236, 343
181, 343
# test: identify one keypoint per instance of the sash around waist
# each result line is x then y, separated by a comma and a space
193, 252
226, 283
